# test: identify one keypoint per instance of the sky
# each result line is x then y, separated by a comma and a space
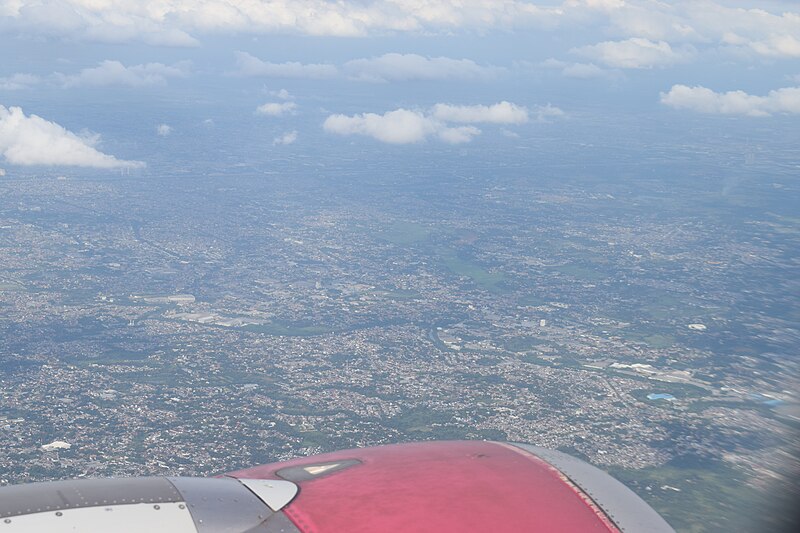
83, 81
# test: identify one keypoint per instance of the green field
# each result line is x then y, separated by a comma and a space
653, 340
711, 496
483, 278
404, 233
580, 272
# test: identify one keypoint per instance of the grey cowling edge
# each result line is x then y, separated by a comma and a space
279, 523
18, 500
221, 505
624, 507
215, 504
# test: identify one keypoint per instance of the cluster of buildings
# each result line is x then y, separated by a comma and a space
141, 339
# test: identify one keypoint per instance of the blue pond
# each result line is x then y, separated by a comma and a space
660, 396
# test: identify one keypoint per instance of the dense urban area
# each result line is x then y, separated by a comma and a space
640, 314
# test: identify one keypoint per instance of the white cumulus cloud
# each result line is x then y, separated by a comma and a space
404, 67
163, 130
545, 112
283, 94
400, 126
18, 81
704, 100
778, 46
404, 126
458, 134
250, 65
583, 71
111, 72
769, 29
500, 113
765, 28
276, 109
389, 67
287, 138
577, 70
173, 22
32, 140
635, 53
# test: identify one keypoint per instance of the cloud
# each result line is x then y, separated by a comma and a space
112, 22
606, 5
112, 72
458, 135
545, 112
252, 66
386, 68
777, 46
712, 24
500, 113
405, 67
583, 71
400, 126
635, 53
287, 138
283, 94
703, 100
404, 126
577, 70
276, 109
171, 22
32, 140
163, 130
18, 81
769, 29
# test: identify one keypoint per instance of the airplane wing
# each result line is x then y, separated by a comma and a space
426, 486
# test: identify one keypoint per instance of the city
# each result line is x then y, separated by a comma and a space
152, 330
